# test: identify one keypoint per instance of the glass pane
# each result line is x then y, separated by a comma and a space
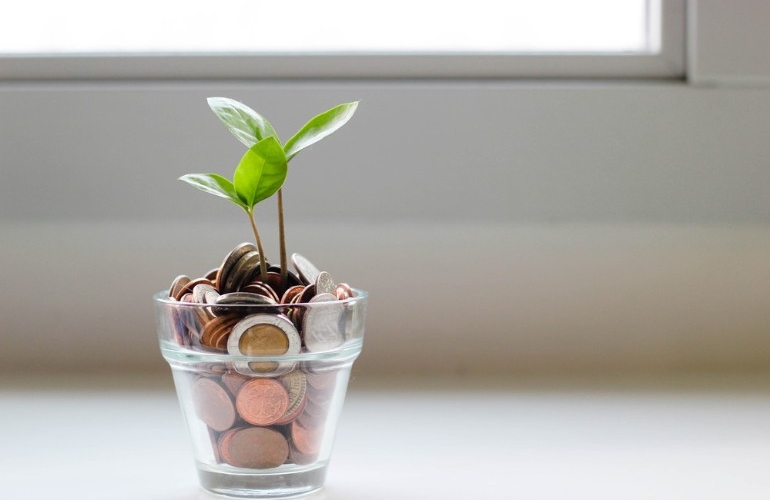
336, 26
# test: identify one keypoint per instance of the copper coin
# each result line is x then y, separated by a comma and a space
343, 291
290, 293
262, 401
261, 289
255, 448
175, 291
234, 381
306, 440
213, 404
299, 313
212, 275
218, 329
188, 288
220, 337
224, 442
307, 294
230, 261
273, 280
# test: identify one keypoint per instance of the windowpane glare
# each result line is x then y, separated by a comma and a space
329, 26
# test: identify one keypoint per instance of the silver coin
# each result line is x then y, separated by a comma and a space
324, 283
323, 325
306, 270
201, 291
211, 297
295, 383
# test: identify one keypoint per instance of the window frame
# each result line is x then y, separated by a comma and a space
668, 63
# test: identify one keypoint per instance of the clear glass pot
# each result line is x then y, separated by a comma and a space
261, 387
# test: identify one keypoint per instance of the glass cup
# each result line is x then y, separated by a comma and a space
261, 387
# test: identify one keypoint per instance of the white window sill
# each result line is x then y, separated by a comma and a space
490, 438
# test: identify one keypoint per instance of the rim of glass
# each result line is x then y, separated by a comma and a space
350, 349
163, 298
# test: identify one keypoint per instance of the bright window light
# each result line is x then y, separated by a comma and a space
330, 26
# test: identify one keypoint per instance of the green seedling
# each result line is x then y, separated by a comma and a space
263, 168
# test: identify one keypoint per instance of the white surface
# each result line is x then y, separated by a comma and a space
446, 440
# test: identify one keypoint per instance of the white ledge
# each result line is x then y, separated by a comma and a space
448, 439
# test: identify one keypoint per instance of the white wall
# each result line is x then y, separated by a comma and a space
499, 226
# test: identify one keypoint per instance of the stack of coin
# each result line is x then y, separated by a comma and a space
262, 423
238, 280
263, 413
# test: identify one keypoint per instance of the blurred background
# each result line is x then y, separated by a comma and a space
535, 189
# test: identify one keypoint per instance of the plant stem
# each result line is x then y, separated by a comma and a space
282, 240
262, 263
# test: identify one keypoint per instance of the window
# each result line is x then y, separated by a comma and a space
339, 38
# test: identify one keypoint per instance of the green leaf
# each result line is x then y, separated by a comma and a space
214, 184
319, 127
261, 171
244, 123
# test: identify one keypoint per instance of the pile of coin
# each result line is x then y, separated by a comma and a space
262, 413
262, 330
262, 423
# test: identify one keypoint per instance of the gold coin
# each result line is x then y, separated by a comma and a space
263, 339
266, 335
